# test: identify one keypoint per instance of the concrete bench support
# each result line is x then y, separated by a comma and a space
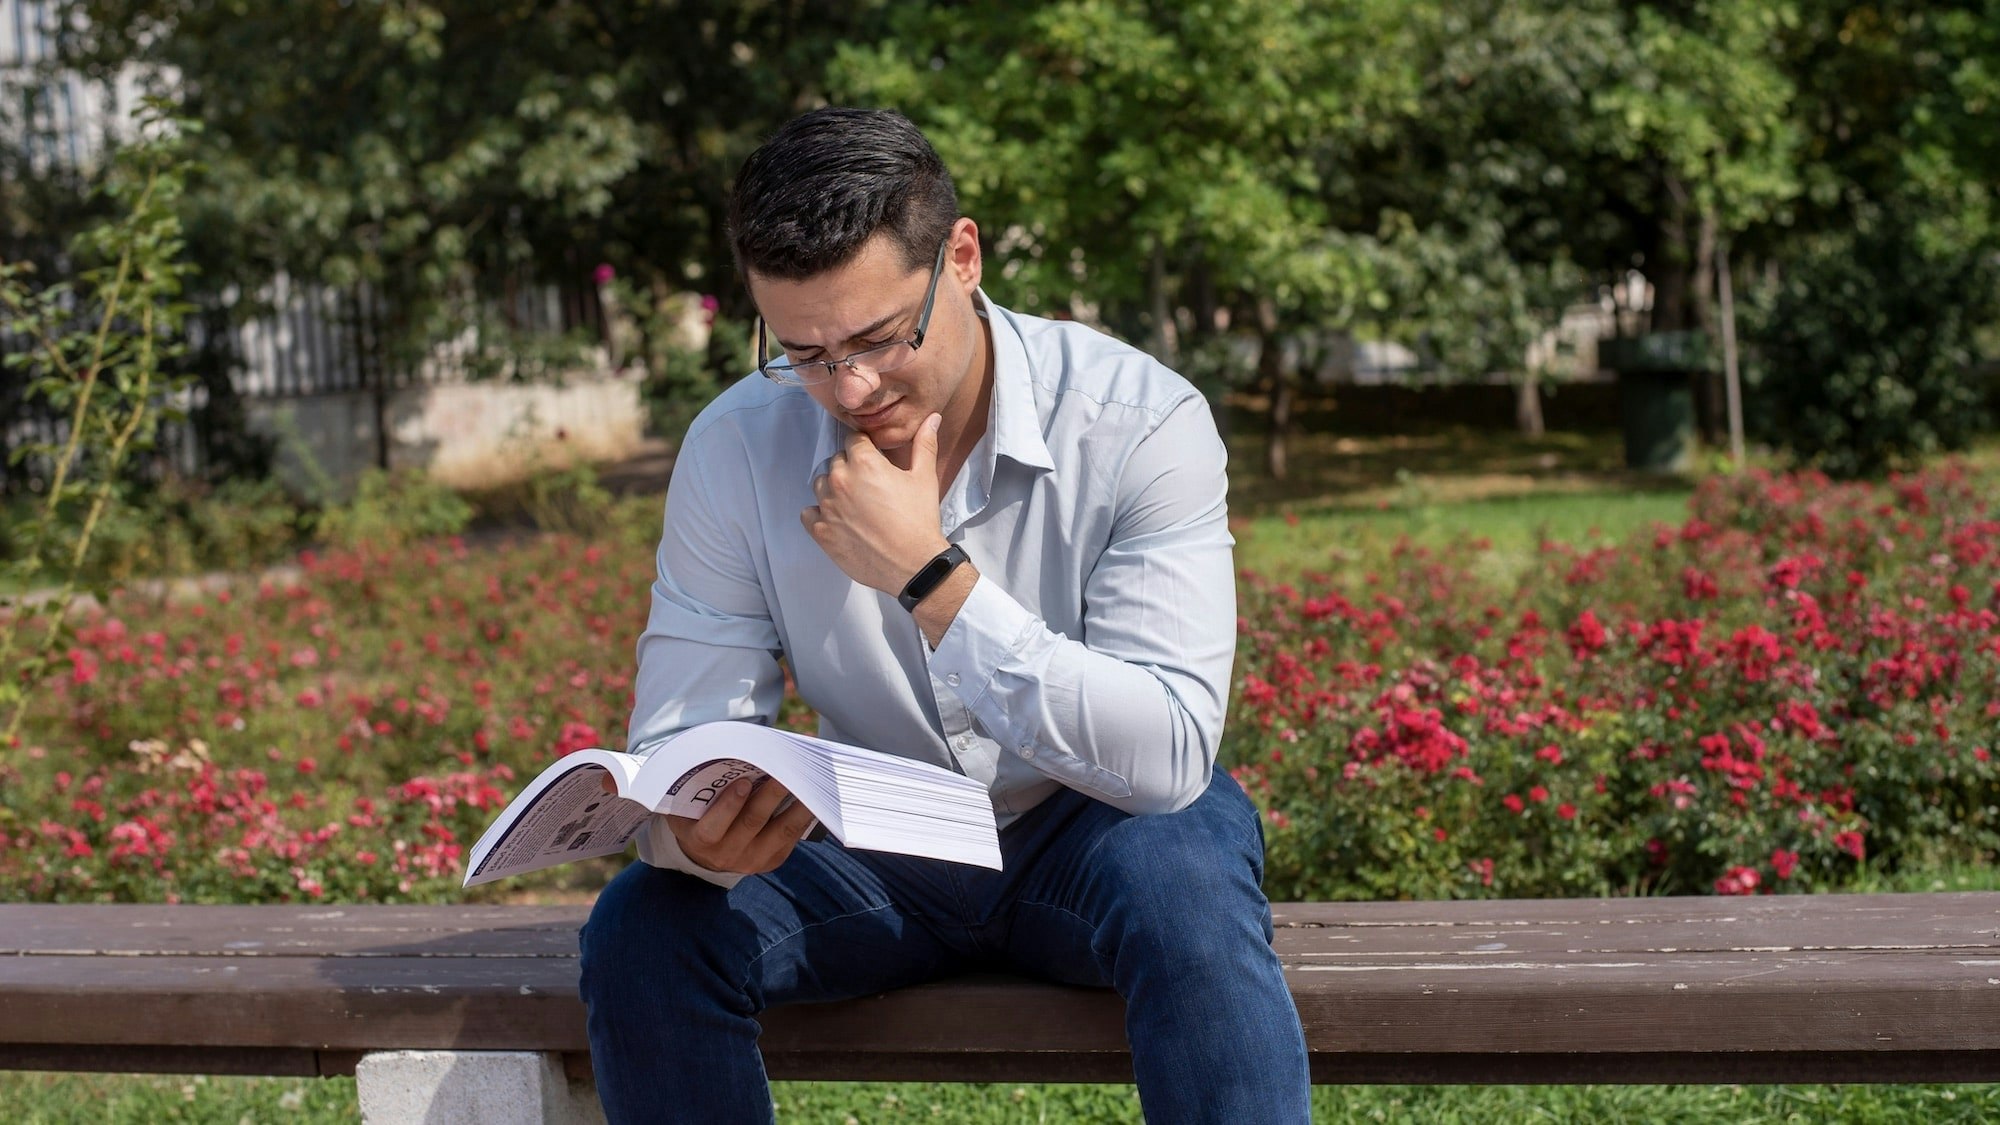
472, 1088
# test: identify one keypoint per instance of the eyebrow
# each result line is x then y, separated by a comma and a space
853, 336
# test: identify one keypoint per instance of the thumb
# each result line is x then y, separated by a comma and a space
927, 443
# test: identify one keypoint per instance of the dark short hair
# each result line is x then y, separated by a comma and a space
826, 182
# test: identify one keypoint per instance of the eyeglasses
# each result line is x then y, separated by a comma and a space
878, 360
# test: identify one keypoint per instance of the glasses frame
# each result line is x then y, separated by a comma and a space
853, 361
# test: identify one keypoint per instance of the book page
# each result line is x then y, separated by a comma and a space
570, 819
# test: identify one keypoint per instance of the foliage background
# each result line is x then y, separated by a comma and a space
1236, 184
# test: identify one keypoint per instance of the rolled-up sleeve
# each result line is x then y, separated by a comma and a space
710, 650
1131, 712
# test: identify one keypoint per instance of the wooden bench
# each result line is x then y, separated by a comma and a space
1833, 988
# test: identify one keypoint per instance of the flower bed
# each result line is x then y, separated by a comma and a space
1799, 679
347, 735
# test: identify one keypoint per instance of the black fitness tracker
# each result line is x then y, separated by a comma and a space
930, 576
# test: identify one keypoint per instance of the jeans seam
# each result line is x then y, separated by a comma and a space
750, 969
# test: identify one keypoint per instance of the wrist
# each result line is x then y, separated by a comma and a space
930, 575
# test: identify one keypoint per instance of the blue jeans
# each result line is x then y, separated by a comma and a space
1165, 909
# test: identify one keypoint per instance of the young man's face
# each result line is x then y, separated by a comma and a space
873, 299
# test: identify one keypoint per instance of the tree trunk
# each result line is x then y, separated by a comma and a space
1528, 404
1271, 372
1729, 374
1164, 348
1712, 416
1667, 267
1211, 319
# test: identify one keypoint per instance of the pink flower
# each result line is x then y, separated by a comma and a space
1587, 636
575, 736
1784, 862
1737, 881
603, 274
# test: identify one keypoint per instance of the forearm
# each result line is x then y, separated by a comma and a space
1133, 729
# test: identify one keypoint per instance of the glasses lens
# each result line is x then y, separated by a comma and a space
879, 360
801, 375
885, 358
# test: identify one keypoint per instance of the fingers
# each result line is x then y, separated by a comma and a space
609, 786
714, 824
761, 806
749, 829
780, 835
927, 444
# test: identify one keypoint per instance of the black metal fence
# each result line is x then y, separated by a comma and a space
297, 341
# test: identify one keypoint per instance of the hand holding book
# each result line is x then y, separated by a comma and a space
744, 824
739, 797
746, 831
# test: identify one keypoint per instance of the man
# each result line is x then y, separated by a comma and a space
981, 539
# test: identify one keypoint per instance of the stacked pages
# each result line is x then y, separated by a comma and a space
864, 798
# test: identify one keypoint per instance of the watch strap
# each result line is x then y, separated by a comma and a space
930, 576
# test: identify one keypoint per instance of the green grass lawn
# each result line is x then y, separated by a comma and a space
1286, 545
48, 1099
1435, 487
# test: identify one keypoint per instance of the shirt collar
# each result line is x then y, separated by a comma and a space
1013, 428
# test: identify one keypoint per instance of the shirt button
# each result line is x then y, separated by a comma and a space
1027, 749
951, 678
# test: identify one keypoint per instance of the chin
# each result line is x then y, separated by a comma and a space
892, 432
892, 437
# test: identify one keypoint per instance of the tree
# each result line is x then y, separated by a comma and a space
435, 148
1867, 347
1160, 166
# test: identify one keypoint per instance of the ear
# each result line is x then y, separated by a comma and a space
963, 259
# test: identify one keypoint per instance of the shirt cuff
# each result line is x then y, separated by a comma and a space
989, 629
659, 847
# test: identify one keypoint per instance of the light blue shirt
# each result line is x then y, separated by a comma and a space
1093, 652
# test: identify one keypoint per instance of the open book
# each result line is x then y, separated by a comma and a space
864, 799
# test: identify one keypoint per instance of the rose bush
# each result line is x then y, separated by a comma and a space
1798, 680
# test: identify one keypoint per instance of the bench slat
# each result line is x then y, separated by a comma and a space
1963, 921
1601, 990
310, 931
1710, 1002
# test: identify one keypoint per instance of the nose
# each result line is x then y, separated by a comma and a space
853, 385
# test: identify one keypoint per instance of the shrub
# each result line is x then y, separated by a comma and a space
393, 509
1865, 354
1799, 678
